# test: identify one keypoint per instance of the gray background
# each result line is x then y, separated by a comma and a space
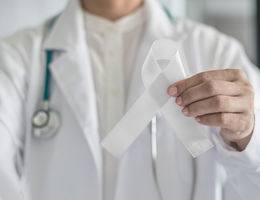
17, 14
233, 17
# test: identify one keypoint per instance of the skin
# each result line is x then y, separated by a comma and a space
220, 98
111, 9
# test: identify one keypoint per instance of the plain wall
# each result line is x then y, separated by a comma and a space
18, 14
239, 22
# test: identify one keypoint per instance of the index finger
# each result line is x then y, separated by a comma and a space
226, 75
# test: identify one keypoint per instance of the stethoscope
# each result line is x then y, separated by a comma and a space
46, 122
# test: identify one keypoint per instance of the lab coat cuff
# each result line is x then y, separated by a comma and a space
248, 159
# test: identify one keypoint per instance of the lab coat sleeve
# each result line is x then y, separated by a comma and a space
12, 100
242, 168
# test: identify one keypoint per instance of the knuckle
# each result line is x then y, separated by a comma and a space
181, 87
204, 76
243, 125
218, 102
192, 109
249, 89
211, 87
246, 122
224, 119
241, 74
251, 107
206, 119
226, 102
248, 126
223, 102
249, 95
186, 97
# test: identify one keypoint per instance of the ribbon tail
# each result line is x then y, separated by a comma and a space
131, 125
192, 135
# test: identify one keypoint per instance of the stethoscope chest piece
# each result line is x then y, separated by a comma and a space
46, 124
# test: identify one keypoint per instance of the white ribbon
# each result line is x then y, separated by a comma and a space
162, 67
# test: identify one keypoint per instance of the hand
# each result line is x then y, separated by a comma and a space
221, 98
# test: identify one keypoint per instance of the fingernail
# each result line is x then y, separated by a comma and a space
173, 91
185, 111
197, 119
179, 100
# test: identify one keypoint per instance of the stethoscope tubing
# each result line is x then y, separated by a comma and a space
153, 135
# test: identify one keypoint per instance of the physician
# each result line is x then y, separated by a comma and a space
67, 82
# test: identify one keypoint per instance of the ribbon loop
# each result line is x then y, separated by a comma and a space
161, 68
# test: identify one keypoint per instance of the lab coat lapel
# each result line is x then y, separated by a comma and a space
72, 72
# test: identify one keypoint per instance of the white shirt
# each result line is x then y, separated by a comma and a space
112, 48
68, 166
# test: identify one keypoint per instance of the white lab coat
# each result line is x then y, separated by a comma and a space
69, 166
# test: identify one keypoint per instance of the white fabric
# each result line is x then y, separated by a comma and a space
162, 66
112, 49
69, 166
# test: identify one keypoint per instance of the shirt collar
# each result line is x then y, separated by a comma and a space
68, 31
100, 24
